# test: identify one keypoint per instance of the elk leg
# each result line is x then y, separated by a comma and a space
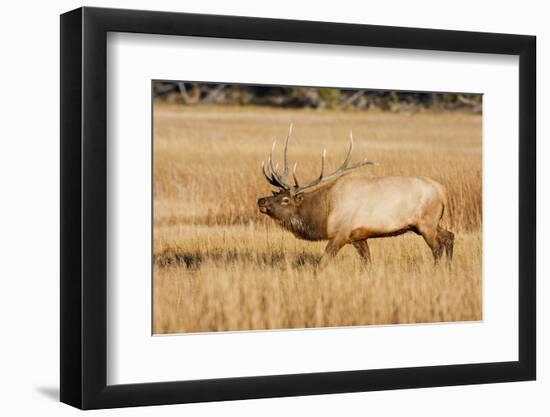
332, 248
431, 237
446, 238
363, 250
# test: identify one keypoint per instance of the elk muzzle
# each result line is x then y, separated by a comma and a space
263, 205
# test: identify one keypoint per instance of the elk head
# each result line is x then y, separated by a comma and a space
285, 202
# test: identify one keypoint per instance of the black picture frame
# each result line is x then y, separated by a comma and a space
84, 207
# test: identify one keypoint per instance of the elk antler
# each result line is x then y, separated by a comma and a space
279, 179
274, 177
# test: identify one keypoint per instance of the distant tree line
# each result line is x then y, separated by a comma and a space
311, 97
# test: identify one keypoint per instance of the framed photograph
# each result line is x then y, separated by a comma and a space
257, 208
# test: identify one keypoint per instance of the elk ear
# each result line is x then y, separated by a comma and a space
298, 198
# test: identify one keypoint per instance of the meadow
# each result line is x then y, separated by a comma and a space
220, 265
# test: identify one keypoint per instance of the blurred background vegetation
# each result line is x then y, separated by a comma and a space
196, 94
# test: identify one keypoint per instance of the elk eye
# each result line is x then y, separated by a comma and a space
285, 200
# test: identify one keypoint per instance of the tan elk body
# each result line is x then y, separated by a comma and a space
350, 208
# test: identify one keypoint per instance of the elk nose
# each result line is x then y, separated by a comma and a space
261, 202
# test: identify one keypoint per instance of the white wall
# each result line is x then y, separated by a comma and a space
29, 239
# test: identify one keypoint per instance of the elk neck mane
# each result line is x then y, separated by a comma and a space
310, 221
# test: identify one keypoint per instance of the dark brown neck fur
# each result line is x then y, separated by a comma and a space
310, 223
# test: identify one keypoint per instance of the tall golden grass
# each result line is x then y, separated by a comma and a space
220, 265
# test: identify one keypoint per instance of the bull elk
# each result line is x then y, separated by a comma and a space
350, 207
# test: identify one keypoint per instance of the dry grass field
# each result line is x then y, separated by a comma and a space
220, 265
